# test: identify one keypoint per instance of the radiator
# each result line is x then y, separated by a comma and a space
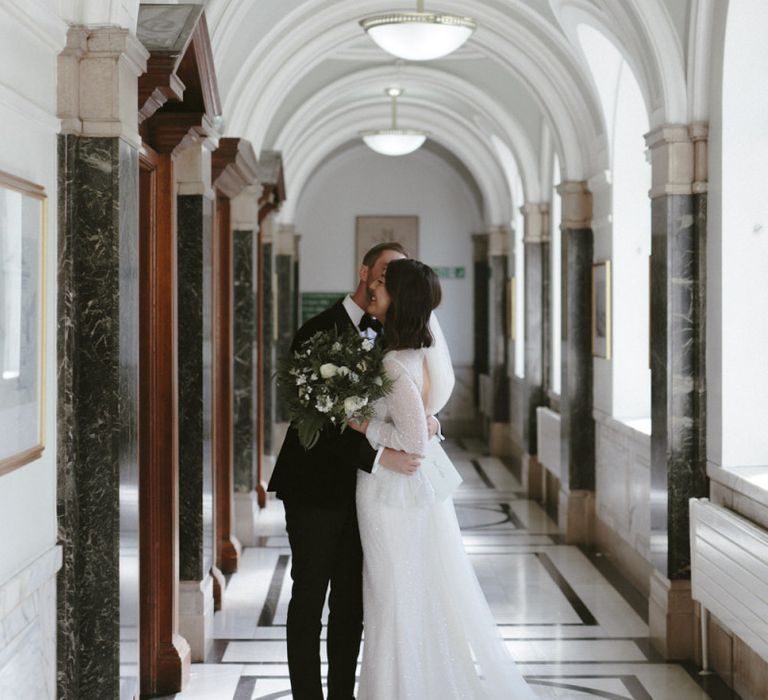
729, 572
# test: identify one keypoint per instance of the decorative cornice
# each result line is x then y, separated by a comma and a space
244, 209
168, 131
499, 241
233, 166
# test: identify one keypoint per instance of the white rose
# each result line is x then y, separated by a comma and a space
343, 371
328, 370
353, 404
378, 381
367, 345
301, 379
354, 377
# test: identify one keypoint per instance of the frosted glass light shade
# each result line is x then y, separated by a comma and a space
394, 142
418, 36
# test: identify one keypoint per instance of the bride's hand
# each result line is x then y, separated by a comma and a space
359, 427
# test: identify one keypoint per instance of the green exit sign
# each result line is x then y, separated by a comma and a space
450, 273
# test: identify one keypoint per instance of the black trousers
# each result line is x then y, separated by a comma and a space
325, 548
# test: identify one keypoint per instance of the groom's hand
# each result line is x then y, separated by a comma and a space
401, 462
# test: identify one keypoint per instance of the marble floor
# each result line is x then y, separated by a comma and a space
575, 627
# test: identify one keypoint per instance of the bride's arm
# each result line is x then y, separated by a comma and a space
408, 429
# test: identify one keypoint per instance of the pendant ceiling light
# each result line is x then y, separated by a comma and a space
420, 35
394, 141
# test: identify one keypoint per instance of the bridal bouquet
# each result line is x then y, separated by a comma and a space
331, 379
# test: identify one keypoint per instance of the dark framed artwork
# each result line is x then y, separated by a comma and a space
23, 228
601, 309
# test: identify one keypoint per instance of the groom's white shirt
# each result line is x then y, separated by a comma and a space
356, 314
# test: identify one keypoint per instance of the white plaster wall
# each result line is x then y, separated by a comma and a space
31, 37
28, 129
359, 182
739, 245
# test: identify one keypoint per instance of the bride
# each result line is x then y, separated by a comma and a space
429, 633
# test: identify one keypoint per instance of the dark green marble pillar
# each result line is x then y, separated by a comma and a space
245, 361
195, 401
499, 332
97, 478
577, 429
269, 347
480, 303
286, 305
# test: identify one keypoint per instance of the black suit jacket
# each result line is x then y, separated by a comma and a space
325, 475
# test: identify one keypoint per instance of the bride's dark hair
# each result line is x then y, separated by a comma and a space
414, 290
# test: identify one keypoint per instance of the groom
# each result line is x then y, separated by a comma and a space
317, 487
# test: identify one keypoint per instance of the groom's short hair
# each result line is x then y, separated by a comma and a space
370, 258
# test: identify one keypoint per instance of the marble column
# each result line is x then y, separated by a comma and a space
285, 249
268, 323
536, 246
194, 201
500, 438
98, 299
678, 456
577, 446
480, 303
245, 229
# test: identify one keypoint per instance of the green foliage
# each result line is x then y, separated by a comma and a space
331, 379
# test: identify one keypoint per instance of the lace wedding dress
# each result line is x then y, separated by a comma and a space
429, 633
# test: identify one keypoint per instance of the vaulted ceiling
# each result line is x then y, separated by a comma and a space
301, 77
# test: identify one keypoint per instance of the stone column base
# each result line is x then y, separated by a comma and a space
500, 439
246, 512
576, 516
533, 475
671, 617
196, 616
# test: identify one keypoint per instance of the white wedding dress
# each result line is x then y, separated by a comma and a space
429, 633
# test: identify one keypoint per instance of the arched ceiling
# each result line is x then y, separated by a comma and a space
301, 77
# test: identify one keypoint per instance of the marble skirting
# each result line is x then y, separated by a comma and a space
97, 479
245, 362
28, 631
194, 216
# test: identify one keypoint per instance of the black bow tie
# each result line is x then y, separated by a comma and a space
368, 321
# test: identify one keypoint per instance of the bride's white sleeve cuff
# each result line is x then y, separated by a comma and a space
376, 464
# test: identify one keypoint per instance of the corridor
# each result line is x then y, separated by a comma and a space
574, 625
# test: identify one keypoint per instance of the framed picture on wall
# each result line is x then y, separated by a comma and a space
601, 309
372, 230
23, 226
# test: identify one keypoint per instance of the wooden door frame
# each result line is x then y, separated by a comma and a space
227, 547
164, 656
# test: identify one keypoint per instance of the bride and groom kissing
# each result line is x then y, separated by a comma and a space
364, 520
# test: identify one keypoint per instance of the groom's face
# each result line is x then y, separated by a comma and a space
376, 271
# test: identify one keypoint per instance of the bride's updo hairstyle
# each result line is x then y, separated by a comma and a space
414, 290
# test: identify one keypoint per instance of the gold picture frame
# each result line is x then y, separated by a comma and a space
601, 309
23, 251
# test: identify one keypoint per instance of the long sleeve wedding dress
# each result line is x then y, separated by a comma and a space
429, 633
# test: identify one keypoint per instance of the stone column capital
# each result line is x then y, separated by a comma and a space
499, 241
576, 204
98, 73
285, 243
700, 138
479, 246
671, 151
536, 222
192, 164
244, 208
